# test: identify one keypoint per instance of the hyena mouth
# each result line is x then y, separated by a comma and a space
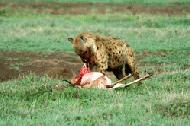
85, 60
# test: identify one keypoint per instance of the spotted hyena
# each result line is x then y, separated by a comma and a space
106, 53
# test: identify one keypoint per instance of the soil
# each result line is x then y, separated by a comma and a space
98, 8
56, 65
60, 65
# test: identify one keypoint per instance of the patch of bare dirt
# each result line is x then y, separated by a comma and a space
56, 65
100, 8
61, 65
6, 73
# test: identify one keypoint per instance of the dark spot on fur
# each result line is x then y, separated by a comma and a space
102, 62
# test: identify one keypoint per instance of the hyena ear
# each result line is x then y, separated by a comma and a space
83, 38
70, 39
82, 41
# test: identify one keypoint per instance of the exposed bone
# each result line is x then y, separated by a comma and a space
124, 78
119, 85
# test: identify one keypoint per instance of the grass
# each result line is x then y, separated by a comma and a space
50, 33
161, 42
35, 101
131, 2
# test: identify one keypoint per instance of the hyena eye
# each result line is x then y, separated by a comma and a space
83, 52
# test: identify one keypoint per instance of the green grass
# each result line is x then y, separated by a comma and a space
160, 100
35, 101
131, 2
27, 32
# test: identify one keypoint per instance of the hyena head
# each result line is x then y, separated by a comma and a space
84, 46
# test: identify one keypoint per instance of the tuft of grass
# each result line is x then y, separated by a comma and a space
178, 107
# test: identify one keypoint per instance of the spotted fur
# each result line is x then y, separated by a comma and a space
106, 53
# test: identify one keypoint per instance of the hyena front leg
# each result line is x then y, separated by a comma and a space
102, 67
102, 62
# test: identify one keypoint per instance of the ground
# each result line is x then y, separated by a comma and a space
35, 57
57, 65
